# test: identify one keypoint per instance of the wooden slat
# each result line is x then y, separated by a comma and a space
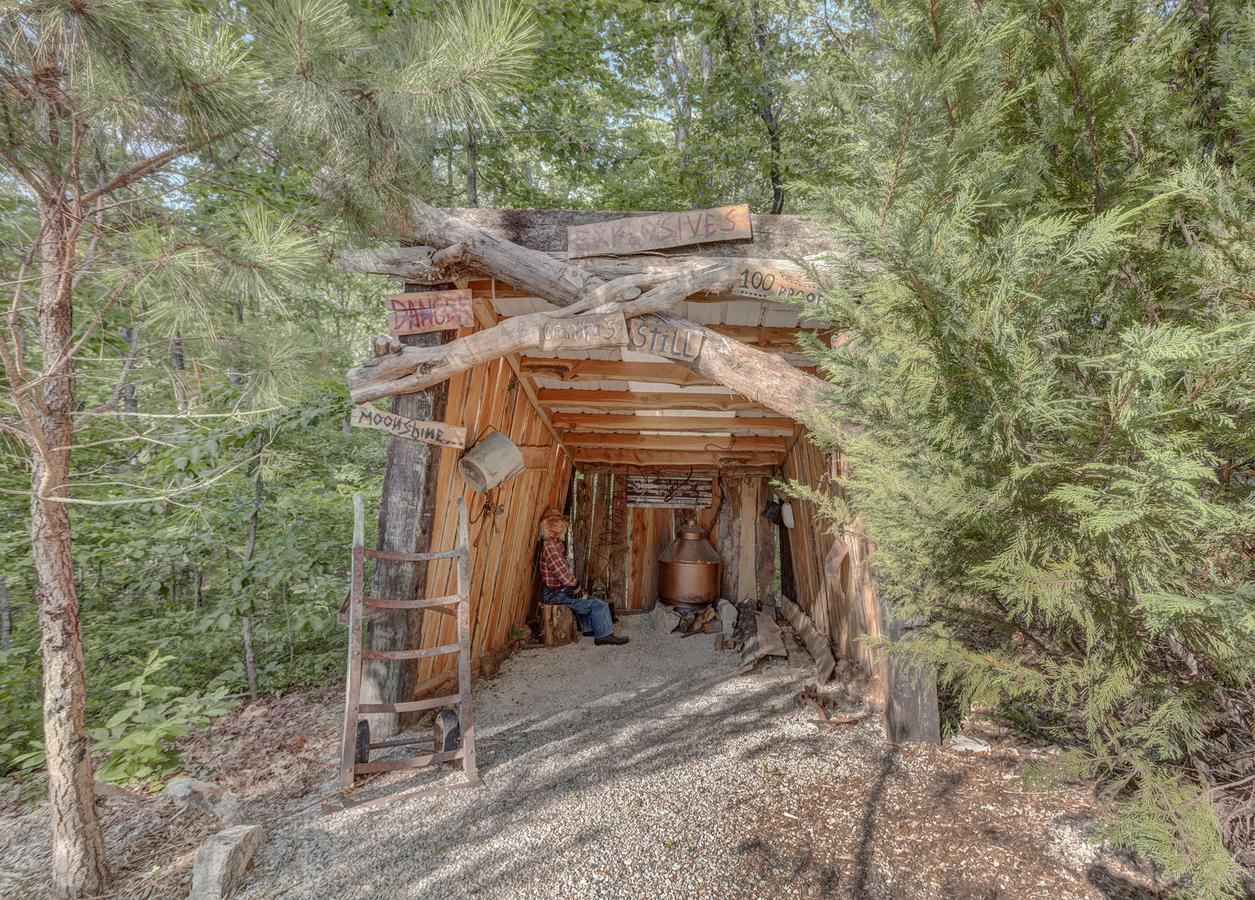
411, 705
613, 370
410, 654
586, 422
654, 459
410, 762
427, 603
401, 742
765, 337
559, 397
393, 556
709, 443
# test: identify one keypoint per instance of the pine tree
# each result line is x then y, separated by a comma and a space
1046, 391
111, 111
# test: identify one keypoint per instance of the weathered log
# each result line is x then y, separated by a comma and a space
760, 376
816, 644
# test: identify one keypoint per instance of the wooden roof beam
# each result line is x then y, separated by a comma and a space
655, 459
644, 400
618, 370
594, 422
704, 443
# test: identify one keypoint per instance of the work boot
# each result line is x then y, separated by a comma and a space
612, 639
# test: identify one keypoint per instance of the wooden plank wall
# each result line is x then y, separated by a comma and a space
832, 576
650, 530
744, 539
502, 547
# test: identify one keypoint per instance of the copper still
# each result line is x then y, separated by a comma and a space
688, 568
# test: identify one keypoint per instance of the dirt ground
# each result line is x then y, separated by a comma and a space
652, 770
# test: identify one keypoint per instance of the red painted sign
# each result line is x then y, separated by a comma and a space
637, 233
430, 311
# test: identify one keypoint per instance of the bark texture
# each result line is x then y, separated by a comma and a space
78, 853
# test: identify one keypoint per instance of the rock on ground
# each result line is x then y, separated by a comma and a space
222, 861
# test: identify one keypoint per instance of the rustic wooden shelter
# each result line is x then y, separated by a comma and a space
637, 376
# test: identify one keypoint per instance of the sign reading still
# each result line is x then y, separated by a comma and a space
429, 311
665, 340
637, 233
440, 433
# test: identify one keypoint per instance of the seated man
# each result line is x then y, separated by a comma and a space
558, 583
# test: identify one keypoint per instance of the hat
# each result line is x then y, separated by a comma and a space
552, 513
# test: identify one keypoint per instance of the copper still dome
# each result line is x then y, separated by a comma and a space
688, 568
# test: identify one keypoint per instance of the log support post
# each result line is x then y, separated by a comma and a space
406, 510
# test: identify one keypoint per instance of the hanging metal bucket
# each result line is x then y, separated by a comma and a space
490, 462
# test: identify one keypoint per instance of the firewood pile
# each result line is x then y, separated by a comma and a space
777, 629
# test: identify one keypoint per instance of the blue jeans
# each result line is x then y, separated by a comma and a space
594, 614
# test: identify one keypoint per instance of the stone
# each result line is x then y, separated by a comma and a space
727, 619
222, 861
189, 793
965, 744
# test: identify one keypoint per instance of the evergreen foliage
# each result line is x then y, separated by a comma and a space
1046, 386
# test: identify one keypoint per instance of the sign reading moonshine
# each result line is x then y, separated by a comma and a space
429, 311
665, 340
637, 233
439, 433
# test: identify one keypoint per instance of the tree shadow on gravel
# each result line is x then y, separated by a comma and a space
657, 732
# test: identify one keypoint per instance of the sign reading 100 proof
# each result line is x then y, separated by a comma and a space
771, 283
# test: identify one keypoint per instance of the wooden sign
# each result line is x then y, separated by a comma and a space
664, 340
430, 311
637, 233
770, 283
440, 433
584, 332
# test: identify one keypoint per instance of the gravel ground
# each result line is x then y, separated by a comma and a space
652, 770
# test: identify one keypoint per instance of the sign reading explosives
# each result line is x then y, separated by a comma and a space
637, 233
663, 340
770, 283
429, 311
439, 433
583, 332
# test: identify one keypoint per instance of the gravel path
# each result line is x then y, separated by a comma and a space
652, 770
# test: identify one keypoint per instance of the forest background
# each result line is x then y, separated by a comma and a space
1100, 142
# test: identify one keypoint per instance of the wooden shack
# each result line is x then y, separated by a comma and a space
628, 364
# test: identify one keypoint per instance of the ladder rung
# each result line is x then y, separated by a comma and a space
410, 762
411, 654
410, 705
380, 603
393, 556
402, 742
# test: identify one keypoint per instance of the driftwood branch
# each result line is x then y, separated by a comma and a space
765, 378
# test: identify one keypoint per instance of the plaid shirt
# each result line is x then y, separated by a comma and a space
554, 571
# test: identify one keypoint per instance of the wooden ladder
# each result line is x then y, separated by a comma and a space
354, 709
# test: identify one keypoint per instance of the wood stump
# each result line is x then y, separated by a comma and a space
558, 625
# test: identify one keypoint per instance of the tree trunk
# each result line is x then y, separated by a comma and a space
180, 376
405, 515
79, 866
6, 621
250, 660
472, 173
